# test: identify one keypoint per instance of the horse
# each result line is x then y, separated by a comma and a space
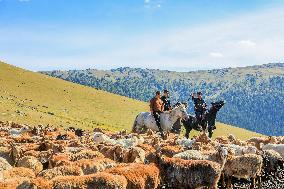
145, 120
207, 123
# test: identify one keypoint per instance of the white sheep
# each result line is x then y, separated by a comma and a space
185, 142
247, 166
125, 142
276, 147
101, 137
16, 132
241, 150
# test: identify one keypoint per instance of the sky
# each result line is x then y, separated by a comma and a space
180, 35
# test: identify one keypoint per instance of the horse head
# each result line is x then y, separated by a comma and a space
218, 105
180, 111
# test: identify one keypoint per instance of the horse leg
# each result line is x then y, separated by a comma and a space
210, 131
259, 181
187, 131
252, 183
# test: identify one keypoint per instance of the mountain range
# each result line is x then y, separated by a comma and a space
254, 95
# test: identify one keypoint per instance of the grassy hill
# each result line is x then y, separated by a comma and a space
34, 98
254, 95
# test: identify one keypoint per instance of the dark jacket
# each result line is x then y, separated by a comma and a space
166, 103
199, 105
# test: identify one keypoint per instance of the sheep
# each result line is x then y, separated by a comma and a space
91, 166
30, 162
257, 141
139, 176
15, 132
59, 160
18, 172
134, 155
121, 154
247, 166
272, 160
241, 150
190, 155
218, 156
150, 153
132, 141
183, 174
187, 143
5, 152
61, 171
170, 151
4, 165
99, 181
233, 140
18, 150
86, 154
276, 147
101, 137
37, 183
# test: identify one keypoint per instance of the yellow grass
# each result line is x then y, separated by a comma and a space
33, 98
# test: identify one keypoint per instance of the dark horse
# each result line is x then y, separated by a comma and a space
207, 123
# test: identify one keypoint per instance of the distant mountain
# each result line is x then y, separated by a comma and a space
254, 95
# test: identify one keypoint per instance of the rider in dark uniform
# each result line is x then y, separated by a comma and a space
166, 101
199, 108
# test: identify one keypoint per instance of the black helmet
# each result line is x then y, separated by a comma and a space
199, 93
166, 91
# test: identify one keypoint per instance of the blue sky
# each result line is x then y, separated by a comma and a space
166, 34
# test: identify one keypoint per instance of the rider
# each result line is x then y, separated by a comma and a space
156, 107
166, 101
199, 107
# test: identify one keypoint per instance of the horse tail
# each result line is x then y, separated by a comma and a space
134, 129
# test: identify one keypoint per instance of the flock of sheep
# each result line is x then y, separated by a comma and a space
47, 157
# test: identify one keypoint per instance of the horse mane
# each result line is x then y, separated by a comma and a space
178, 104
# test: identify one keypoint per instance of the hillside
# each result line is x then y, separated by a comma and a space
254, 95
33, 98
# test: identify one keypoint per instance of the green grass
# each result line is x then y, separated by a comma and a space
33, 98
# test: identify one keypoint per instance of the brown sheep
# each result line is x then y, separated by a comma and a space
61, 171
86, 154
139, 176
133, 155
4, 165
59, 160
170, 151
257, 141
37, 183
18, 172
91, 166
30, 162
5, 152
19, 150
150, 153
99, 181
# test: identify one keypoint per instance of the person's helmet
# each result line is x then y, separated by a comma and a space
158, 93
199, 93
166, 91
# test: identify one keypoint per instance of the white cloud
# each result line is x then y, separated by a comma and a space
255, 38
216, 55
147, 1
246, 43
